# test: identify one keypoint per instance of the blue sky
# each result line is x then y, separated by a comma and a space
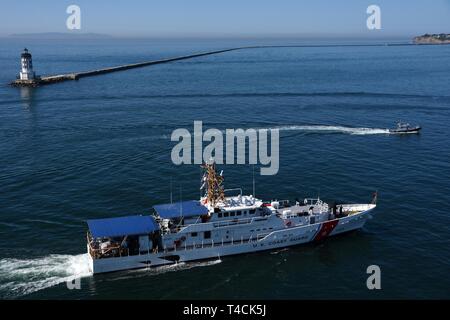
227, 17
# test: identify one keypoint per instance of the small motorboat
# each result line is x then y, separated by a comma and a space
405, 128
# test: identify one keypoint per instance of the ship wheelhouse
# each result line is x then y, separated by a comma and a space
190, 221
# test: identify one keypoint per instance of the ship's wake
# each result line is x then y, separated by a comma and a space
180, 266
318, 129
20, 277
333, 129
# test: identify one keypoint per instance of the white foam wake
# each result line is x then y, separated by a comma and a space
181, 266
314, 128
24, 276
334, 129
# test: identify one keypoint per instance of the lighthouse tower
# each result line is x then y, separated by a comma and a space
26, 71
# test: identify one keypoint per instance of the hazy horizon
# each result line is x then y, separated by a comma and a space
68, 35
231, 18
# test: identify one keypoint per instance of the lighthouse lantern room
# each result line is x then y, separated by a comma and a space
26, 72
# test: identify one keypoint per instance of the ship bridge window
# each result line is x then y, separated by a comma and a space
232, 214
226, 214
193, 234
219, 214
252, 211
238, 213
207, 235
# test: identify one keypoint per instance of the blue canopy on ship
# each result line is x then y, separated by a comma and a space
181, 209
122, 226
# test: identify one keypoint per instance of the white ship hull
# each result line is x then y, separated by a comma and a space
281, 238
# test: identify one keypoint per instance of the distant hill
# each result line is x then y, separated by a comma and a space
60, 35
441, 38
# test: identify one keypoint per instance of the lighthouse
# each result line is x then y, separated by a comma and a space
26, 71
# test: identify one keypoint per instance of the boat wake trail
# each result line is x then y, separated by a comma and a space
20, 277
333, 129
319, 129
181, 266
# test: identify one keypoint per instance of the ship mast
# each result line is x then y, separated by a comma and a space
212, 182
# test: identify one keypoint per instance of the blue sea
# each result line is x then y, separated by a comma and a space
100, 147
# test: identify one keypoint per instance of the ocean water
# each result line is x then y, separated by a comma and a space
100, 147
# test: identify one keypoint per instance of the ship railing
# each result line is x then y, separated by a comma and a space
211, 244
233, 222
312, 201
234, 189
284, 204
99, 253
218, 224
143, 252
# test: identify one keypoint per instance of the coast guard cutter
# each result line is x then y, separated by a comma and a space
215, 226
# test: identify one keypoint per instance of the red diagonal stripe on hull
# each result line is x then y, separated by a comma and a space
325, 229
